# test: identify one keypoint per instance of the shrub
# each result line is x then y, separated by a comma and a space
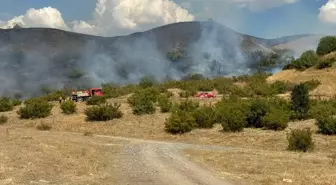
3, 119
328, 63
322, 109
180, 122
205, 117
300, 101
54, 96
277, 119
143, 101
233, 119
187, 105
68, 107
6, 104
327, 125
300, 140
146, 82
187, 93
258, 109
16, 102
326, 45
231, 113
165, 103
307, 59
104, 112
281, 87
36, 108
96, 100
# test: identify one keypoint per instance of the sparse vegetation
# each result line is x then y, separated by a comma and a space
104, 112
96, 100
300, 101
6, 104
327, 63
276, 119
205, 117
327, 125
68, 107
165, 103
3, 119
300, 140
180, 122
35, 108
307, 59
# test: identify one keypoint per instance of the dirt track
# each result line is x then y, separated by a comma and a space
152, 162
137, 162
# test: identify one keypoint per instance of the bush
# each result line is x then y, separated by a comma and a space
277, 119
300, 140
328, 63
307, 59
187, 105
16, 102
231, 113
143, 102
6, 104
54, 96
180, 122
68, 107
104, 112
281, 87
3, 119
322, 109
37, 108
327, 125
326, 45
187, 93
258, 109
205, 117
165, 103
96, 100
146, 82
300, 101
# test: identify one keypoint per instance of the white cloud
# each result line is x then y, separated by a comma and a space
328, 12
259, 5
111, 17
45, 17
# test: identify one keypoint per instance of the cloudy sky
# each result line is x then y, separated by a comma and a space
263, 18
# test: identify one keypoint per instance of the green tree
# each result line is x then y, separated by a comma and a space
326, 45
300, 101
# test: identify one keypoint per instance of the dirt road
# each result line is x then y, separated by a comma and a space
98, 160
153, 162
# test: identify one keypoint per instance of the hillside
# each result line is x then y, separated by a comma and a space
35, 57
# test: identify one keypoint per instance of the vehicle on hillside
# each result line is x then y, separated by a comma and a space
206, 95
86, 94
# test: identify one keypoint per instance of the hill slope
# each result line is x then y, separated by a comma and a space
31, 57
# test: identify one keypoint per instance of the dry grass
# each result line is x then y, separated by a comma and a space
268, 167
326, 76
29, 156
266, 150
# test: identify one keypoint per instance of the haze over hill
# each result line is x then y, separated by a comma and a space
35, 57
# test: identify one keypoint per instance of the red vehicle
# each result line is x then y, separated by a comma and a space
206, 95
85, 94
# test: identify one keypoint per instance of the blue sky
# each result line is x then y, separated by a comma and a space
286, 19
